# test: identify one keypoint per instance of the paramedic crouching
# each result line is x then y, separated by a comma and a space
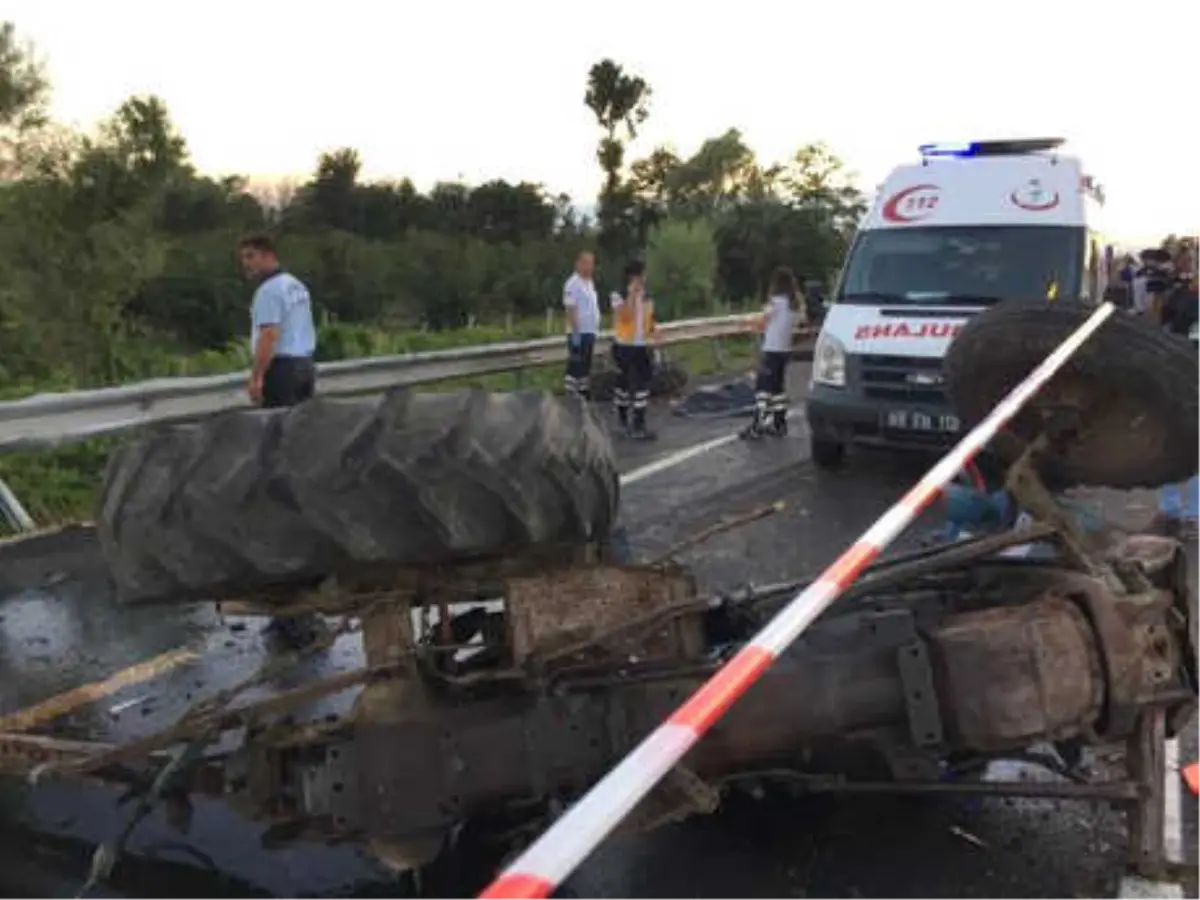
283, 338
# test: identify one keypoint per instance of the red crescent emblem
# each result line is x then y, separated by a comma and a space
1034, 207
918, 202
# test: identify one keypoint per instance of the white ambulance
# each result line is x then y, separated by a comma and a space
968, 226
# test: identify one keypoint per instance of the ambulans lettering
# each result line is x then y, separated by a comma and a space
904, 330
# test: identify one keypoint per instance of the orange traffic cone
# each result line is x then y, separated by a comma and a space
1191, 777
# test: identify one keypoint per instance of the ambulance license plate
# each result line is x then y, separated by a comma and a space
909, 420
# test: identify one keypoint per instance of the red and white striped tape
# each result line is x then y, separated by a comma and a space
554, 856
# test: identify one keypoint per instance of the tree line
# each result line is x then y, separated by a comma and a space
116, 253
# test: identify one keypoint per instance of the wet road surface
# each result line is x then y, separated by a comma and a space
60, 631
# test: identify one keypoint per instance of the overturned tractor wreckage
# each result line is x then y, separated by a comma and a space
511, 658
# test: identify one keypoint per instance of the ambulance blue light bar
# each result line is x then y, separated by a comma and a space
967, 149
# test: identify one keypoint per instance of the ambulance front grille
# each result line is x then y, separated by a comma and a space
903, 379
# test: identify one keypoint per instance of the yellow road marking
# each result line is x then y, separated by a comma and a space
69, 701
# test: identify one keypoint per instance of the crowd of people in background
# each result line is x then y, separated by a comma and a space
283, 338
1161, 285
635, 332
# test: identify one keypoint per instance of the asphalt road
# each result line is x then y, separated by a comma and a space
58, 629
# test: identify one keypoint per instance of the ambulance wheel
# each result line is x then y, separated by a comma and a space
827, 454
1125, 406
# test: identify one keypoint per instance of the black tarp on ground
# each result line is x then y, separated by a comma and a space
733, 398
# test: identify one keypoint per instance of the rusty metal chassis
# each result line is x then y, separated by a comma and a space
429, 747
541, 746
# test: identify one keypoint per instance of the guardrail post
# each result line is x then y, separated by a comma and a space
718, 352
12, 511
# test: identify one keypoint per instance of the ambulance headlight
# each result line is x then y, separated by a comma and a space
829, 361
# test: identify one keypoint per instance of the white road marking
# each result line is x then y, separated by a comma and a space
674, 459
1135, 887
681, 456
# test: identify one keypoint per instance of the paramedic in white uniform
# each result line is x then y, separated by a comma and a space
776, 324
583, 323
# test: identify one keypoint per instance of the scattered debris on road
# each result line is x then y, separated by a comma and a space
967, 836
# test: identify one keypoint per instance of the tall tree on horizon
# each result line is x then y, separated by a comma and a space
620, 102
24, 88
26, 144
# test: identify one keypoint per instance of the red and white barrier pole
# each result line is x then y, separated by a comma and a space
554, 856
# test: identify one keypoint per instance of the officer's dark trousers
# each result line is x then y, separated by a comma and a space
579, 365
635, 366
770, 399
288, 380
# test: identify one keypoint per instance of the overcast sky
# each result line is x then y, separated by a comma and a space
448, 88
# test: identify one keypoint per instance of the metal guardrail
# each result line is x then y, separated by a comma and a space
45, 420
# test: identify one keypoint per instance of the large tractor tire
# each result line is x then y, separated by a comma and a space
259, 497
1131, 390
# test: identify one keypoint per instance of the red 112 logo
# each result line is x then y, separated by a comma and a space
912, 203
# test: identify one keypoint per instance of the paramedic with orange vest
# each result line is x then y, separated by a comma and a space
633, 330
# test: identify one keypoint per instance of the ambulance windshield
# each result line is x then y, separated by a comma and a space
967, 265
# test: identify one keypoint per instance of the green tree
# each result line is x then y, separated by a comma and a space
681, 265
24, 89
818, 181
448, 207
135, 156
716, 177
386, 211
118, 259
501, 212
799, 214
333, 193
196, 206
24, 98
620, 101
